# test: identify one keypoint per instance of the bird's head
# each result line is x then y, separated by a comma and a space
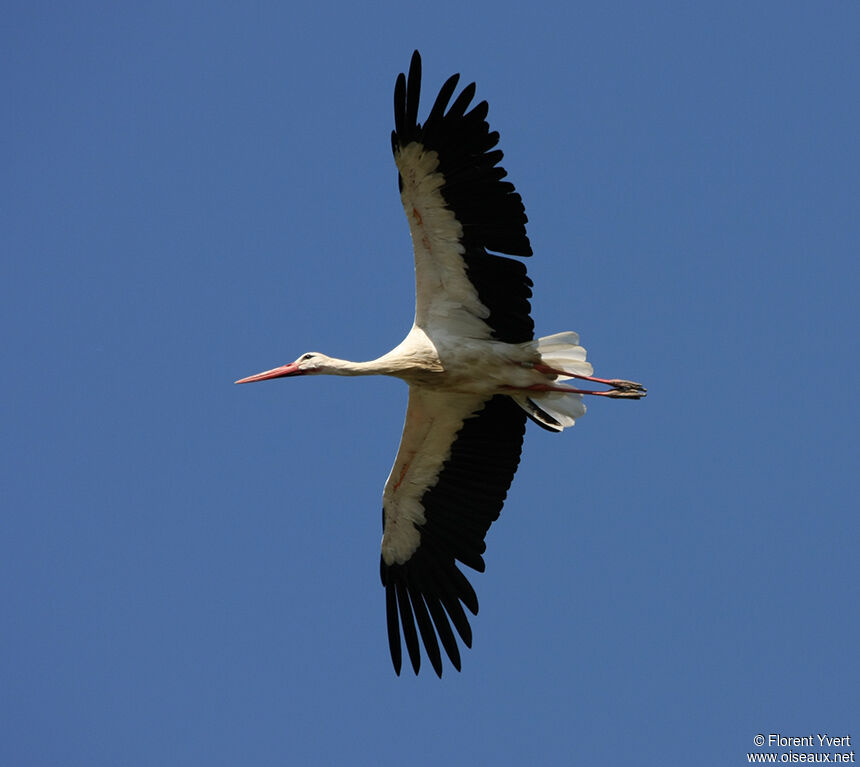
307, 364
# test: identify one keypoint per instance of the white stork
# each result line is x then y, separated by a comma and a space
474, 369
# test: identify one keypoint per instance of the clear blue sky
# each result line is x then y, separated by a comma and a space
193, 192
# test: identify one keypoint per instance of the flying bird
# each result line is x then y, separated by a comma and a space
474, 369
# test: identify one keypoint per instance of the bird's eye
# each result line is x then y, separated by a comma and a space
308, 357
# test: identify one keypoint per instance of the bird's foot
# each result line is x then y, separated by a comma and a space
623, 393
626, 386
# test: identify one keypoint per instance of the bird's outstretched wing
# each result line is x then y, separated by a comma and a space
456, 461
459, 209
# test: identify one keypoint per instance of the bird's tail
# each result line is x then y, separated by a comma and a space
555, 410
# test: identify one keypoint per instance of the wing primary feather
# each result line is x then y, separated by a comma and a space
432, 598
458, 617
399, 107
495, 156
446, 636
413, 91
464, 590
461, 103
447, 593
393, 626
480, 112
425, 627
441, 103
443, 628
410, 636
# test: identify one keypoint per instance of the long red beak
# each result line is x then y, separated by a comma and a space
285, 370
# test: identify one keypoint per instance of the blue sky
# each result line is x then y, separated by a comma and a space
194, 192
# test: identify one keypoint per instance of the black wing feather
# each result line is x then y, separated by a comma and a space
425, 625
410, 636
458, 510
490, 211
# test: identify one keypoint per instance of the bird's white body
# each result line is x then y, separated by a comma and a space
463, 365
474, 369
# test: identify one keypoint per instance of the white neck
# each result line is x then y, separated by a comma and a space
413, 358
380, 366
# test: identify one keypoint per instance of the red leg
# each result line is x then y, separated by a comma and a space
617, 384
613, 393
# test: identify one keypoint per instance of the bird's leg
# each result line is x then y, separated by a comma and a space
617, 393
618, 384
